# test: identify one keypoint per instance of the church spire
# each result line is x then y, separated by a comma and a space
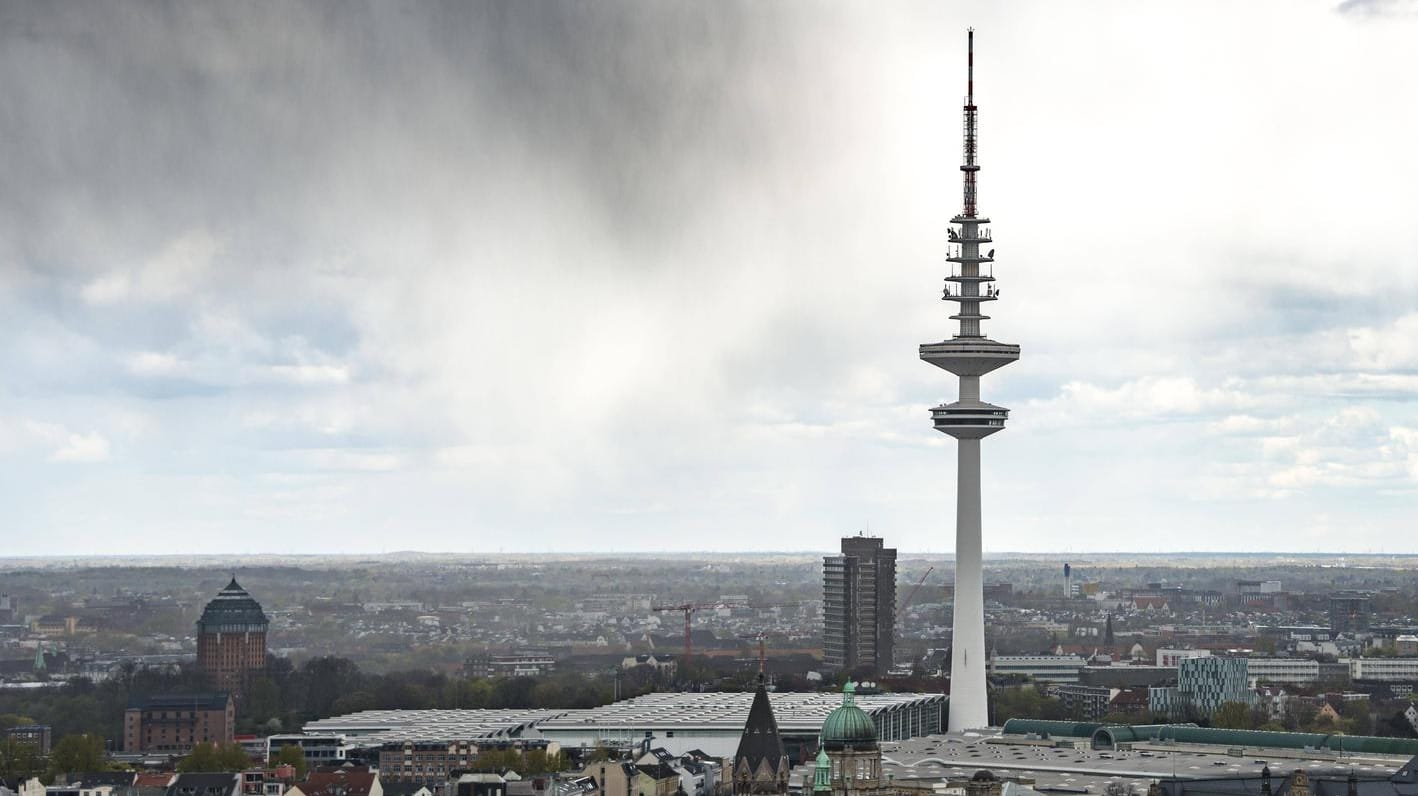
760, 765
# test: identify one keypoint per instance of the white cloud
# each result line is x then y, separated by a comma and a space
154, 363
173, 273
62, 444
1392, 346
82, 448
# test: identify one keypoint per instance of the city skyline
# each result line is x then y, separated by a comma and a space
296, 281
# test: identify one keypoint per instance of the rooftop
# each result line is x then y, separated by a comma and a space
374, 727
796, 713
232, 607
213, 700
958, 756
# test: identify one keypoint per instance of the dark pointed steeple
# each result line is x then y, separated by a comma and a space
760, 765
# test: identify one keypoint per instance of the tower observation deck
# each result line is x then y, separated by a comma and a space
969, 354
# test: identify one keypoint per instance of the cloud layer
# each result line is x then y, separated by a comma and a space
616, 276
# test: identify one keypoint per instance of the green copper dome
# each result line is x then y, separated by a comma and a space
822, 772
848, 727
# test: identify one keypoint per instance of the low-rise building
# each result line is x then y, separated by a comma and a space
662, 663
1084, 702
434, 761
202, 784
1383, 669
38, 736
343, 781
320, 749
1296, 671
1040, 668
521, 664
177, 722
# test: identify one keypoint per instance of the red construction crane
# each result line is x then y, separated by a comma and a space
762, 653
689, 609
911, 595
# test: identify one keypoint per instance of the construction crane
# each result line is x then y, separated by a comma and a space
911, 595
689, 609
762, 652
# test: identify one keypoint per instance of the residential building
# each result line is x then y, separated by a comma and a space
150, 783
267, 781
93, 783
859, 606
231, 639
1084, 702
1129, 701
482, 784
342, 781
434, 761
664, 663
177, 722
205, 785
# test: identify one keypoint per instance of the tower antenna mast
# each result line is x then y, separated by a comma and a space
969, 355
970, 167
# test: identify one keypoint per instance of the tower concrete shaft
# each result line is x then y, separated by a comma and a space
969, 355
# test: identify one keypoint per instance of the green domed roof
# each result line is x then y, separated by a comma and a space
848, 726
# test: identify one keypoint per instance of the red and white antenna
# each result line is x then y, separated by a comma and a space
971, 121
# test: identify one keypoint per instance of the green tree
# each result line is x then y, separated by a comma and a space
263, 701
206, 757
1023, 702
292, 755
77, 753
1232, 716
537, 762
18, 759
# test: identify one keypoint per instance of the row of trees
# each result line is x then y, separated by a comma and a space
19, 760
287, 696
231, 757
1355, 718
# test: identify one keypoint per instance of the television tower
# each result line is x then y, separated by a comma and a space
969, 355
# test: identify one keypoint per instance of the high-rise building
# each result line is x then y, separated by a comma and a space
969, 355
859, 605
1349, 611
231, 639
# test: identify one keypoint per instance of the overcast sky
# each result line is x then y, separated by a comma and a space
607, 277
